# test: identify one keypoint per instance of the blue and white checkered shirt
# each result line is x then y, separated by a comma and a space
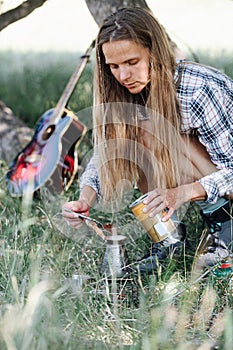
206, 97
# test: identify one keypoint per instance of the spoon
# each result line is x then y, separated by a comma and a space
93, 223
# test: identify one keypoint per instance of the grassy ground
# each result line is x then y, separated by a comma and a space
41, 308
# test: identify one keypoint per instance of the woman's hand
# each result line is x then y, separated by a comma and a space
83, 205
172, 199
79, 206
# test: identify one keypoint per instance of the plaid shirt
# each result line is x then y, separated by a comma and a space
206, 97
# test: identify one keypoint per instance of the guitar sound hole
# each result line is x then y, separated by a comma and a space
48, 132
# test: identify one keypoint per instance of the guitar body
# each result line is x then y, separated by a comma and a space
50, 158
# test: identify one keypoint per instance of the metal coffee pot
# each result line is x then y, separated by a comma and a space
115, 261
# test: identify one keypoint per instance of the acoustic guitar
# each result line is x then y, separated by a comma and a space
50, 159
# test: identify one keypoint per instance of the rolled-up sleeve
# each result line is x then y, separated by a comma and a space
217, 184
90, 176
215, 129
206, 97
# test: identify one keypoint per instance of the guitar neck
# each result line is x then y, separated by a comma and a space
64, 99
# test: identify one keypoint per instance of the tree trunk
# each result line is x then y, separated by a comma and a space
101, 9
14, 134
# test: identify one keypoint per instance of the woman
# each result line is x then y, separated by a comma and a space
155, 120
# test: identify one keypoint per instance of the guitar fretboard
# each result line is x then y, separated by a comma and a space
65, 97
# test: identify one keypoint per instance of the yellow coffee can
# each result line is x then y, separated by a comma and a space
156, 229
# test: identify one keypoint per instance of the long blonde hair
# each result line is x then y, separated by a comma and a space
118, 115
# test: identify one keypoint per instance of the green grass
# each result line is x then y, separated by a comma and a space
39, 253
39, 309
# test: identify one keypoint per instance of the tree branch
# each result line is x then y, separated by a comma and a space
19, 12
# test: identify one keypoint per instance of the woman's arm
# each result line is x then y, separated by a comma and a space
199, 165
89, 192
173, 198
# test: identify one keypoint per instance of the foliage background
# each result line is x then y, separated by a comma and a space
31, 83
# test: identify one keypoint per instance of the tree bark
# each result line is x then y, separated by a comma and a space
19, 12
102, 9
14, 134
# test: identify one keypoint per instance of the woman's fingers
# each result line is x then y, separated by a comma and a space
159, 200
70, 211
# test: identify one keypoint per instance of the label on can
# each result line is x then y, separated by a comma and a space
156, 229
161, 228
